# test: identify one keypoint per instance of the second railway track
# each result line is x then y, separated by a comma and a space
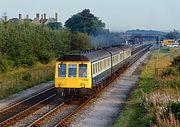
23, 107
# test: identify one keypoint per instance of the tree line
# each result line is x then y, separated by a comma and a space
23, 44
173, 35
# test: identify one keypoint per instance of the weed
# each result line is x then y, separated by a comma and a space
169, 71
165, 50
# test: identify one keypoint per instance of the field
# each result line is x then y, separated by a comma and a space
156, 100
20, 79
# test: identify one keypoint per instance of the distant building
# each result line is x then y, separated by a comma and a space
37, 20
44, 20
170, 43
132, 38
14, 20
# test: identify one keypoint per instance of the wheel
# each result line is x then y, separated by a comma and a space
60, 92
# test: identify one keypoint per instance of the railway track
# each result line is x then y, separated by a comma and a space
39, 121
63, 112
38, 114
65, 120
25, 107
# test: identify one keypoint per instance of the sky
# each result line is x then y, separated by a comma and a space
118, 15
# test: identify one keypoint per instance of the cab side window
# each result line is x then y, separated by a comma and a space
83, 70
72, 69
62, 70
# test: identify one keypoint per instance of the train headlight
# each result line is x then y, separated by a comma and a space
82, 84
60, 84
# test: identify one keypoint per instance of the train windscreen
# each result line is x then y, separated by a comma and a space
62, 70
72, 70
83, 70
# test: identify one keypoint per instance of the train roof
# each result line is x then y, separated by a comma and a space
93, 55
114, 50
89, 56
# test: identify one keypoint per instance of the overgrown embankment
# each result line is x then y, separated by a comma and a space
27, 48
28, 51
24, 44
156, 100
23, 78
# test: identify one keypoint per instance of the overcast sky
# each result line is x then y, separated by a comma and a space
119, 15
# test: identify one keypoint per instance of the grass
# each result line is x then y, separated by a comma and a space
4, 76
151, 96
23, 78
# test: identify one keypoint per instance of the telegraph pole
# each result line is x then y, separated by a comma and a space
156, 64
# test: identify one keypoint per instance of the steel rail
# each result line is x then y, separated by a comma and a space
12, 110
40, 120
64, 121
26, 112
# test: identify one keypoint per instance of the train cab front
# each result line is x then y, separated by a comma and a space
72, 78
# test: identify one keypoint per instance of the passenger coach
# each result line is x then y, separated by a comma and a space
79, 72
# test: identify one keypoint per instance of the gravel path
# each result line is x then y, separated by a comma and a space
103, 111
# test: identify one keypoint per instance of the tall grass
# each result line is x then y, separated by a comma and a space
150, 99
17, 80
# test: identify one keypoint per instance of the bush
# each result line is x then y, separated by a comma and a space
173, 107
165, 49
26, 76
5, 64
45, 57
176, 63
23, 44
79, 41
168, 72
29, 61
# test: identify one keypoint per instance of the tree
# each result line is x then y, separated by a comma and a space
85, 22
54, 25
79, 41
23, 44
172, 35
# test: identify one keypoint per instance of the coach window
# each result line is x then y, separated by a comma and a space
83, 70
109, 60
96, 68
101, 65
105, 63
72, 70
62, 70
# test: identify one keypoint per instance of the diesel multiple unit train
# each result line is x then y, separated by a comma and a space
81, 72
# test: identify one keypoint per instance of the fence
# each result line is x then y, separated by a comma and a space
25, 80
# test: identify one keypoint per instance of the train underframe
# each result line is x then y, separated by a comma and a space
71, 93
